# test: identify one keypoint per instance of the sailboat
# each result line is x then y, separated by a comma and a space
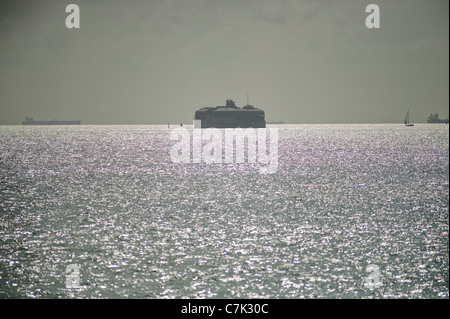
407, 120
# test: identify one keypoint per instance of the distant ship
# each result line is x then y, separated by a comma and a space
434, 118
31, 121
231, 116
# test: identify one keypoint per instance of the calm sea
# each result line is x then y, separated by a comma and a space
353, 211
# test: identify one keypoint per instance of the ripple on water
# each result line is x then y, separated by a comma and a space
108, 199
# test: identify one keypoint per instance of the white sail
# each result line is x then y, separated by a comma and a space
407, 120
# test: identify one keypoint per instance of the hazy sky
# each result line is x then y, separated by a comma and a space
157, 61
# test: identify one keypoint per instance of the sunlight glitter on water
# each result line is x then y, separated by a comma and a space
109, 199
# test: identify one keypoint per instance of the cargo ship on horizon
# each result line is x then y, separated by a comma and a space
434, 118
31, 121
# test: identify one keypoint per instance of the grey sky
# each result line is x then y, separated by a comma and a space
156, 62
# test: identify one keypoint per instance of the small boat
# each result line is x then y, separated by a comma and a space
407, 120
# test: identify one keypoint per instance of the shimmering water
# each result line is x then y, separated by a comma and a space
109, 199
